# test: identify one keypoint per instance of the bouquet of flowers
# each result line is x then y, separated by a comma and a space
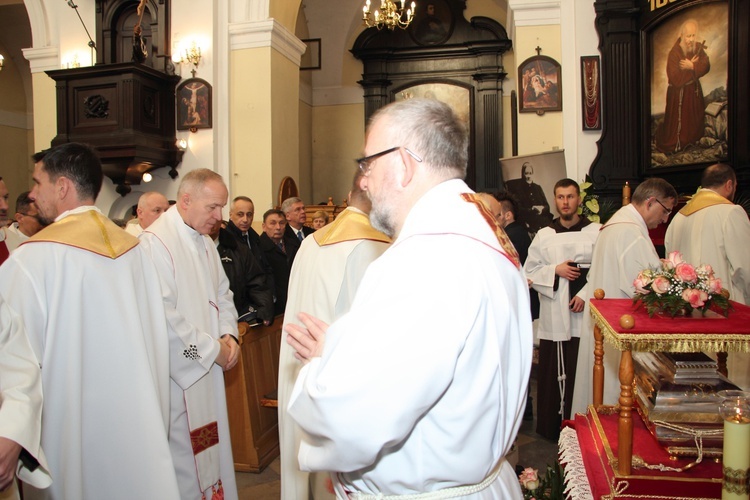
677, 288
550, 487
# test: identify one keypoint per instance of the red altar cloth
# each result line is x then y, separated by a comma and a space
678, 334
597, 438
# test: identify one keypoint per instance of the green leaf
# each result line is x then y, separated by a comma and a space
593, 205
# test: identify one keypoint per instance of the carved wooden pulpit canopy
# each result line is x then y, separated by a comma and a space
124, 106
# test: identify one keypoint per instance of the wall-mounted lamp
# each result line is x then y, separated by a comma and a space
147, 177
181, 144
1, 62
190, 55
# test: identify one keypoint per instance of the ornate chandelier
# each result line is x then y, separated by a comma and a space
389, 16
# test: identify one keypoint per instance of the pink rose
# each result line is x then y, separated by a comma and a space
696, 298
685, 272
529, 478
714, 285
640, 284
706, 270
661, 285
672, 260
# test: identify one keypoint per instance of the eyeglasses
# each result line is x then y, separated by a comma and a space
365, 164
667, 211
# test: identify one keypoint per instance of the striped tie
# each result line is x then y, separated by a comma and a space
300, 236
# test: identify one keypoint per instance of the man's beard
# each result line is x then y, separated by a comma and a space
381, 216
568, 217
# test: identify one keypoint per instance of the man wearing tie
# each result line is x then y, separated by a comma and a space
296, 231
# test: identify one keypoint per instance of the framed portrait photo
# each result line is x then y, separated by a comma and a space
531, 179
194, 108
540, 79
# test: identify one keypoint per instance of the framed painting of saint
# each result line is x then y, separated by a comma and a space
688, 101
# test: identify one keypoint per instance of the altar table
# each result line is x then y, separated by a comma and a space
657, 334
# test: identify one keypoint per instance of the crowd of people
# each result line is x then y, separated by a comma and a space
403, 370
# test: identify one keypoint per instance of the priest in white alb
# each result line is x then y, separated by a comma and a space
622, 250
91, 305
202, 335
20, 409
324, 279
712, 230
420, 387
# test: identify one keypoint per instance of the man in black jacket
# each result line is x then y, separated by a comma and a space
252, 296
276, 252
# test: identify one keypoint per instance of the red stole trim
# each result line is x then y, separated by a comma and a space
508, 248
4, 253
204, 437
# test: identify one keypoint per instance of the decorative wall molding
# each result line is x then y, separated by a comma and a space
42, 59
267, 33
40, 29
532, 13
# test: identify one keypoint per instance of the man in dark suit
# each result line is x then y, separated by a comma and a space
533, 208
505, 214
296, 231
253, 298
519, 236
274, 248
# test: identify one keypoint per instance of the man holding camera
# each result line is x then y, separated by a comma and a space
557, 264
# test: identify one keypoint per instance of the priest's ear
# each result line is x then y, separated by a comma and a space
184, 200
64, 187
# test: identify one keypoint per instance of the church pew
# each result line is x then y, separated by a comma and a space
253, 426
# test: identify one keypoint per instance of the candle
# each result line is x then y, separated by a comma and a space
735, 409
626, 194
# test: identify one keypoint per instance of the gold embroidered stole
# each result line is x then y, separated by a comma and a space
89, 231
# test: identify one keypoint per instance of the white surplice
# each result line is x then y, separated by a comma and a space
622, 250
14, 237
422, 384
96, 325
21, 398
323, 282
199, 311
718, 235
133, 227
550, 248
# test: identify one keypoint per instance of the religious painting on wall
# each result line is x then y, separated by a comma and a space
193, 104
531, 179
688, 95
432, 23
541, 85
455, 96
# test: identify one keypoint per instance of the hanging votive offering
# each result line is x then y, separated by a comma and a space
735, 410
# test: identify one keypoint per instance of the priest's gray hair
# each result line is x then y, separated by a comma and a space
196, 179
653, 187
431, 130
